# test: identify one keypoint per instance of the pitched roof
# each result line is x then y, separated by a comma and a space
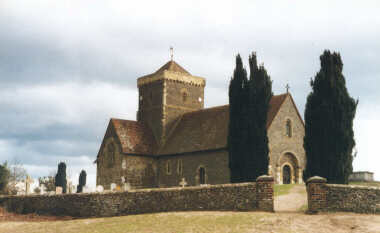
207, 129
274, 105
135, 137
172, 66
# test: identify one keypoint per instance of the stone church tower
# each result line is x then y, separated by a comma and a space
167, 94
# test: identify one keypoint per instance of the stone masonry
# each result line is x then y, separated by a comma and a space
334, 197
237, 197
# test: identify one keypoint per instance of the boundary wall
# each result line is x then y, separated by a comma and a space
336, 197
239, 197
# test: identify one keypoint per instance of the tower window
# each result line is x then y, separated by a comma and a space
288, 128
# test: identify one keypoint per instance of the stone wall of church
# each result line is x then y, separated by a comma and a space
215, 164
285, 150
114, 167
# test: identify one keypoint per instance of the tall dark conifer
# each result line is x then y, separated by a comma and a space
259, 94
60, 178
82, 181
329, 115
237, 126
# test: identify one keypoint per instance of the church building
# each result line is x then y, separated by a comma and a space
176, 139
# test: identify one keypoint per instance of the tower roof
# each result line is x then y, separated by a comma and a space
173, 72
172, 66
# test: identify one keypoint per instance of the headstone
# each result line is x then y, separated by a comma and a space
58, 190
124, 164
183, 182
99, 189
122, 179
86, 189
126, 187
113, 187
43, 189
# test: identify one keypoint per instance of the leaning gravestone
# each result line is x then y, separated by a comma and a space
99, 189
113, 187
58, 190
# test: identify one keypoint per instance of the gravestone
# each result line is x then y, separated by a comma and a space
86, 189
183, 183
122, 179
124, 164
126, 187
99, 189
28, 181
58, 190
113, 187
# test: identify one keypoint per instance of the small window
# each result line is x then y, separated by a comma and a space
179, 167
288, 128
202, 175
168, 168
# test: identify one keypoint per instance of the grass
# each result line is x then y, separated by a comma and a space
159, 223
282, 189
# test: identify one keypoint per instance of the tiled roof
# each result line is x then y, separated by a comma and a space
274, 105
207, 129
172, 66
135, 138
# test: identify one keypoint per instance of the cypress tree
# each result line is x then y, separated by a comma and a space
237, 126
329, 115
259, 94
82, 181
60, 178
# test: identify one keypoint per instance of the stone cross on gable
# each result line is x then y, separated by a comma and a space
171, 53
183, 182
287, 88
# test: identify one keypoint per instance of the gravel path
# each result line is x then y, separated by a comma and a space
293, 201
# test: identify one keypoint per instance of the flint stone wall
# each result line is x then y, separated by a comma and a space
336, 197
241, 197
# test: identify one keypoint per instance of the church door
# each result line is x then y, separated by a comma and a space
286, 174
202, 176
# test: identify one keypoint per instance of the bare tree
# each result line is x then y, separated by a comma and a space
17, 174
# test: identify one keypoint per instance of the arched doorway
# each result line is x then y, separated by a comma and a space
288, 170
202, 175
286, 174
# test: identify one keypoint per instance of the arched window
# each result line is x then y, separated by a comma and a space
111, 154
168, 168
288, 128
202, 175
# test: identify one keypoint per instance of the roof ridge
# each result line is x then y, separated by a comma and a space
172, 66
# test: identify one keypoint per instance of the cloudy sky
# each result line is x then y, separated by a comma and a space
67, 67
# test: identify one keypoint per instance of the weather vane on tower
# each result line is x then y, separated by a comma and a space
287, 88
171, 53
